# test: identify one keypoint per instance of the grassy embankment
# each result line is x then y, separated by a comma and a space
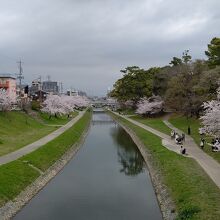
195, 195
156, 123
17, 175
127, 111
19, 129
61, 120
182, 123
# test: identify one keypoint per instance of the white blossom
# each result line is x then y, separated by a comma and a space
211, 117
6, 101
54, 105
63, 105
202, 130
80, 101
129, 103
151, 106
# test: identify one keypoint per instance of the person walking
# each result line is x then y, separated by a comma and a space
182, 150
183, 137
202, 143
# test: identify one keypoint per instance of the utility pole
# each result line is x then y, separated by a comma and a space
40, 89
20, 76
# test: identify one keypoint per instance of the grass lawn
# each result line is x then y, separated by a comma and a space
127, 111
19, 129
17, 175
50, 152
194, 193
156, 123
181, 123
61, 120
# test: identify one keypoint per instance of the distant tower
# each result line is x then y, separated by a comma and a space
48, 78
61, 87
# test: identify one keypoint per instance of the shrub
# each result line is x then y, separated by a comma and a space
188, 212
35, 105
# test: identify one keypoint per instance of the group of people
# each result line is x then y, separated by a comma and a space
179, 140
177, 137
216, 144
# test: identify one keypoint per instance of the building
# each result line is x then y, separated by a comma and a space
72, 93
50, 87
35, 86
8, 82
81, 93
39, 96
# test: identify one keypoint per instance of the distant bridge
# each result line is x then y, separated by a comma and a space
103, 103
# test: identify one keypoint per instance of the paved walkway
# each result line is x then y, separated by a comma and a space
210, 166
32, 147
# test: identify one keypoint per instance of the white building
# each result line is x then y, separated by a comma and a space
72, 92
8, 82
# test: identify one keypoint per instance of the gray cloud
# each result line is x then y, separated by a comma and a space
85, 43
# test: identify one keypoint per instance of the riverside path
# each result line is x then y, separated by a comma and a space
35, 145
209, 165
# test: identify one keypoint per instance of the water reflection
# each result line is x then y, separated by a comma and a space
128, 155
91, 185
99, 117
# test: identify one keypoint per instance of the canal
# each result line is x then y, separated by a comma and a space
106, 180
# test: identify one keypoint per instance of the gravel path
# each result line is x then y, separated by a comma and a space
33, 146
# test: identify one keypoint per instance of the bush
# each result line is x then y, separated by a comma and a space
35, 105
188, 212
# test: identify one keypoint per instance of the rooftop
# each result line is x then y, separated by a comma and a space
7, 75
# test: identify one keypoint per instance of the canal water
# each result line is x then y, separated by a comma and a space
106, 180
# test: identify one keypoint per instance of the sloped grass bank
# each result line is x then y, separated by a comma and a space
195, 195
17, 175
18, 129
156, 123
181, 122
61, 120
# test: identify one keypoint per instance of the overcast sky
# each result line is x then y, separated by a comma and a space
85, 43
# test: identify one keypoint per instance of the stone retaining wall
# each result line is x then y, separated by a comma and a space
165, 201
12, 207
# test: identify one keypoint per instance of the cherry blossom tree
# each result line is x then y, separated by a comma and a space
68, 104
6, 101
80, 101
150, 106
211, 117
129, 104
54, 105
63, 105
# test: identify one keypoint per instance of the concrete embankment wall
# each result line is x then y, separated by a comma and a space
12, 207
166, 204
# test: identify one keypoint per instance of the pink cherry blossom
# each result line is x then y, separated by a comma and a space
151, 106
6, 101
211, 117
63, 105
